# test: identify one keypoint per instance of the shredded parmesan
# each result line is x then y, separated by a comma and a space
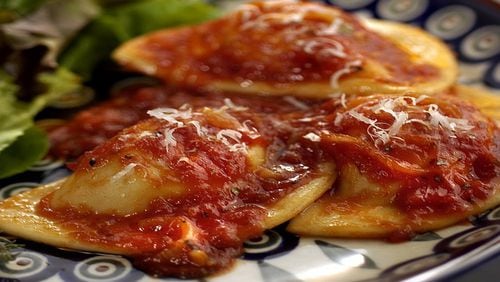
400, 108
146, 134
343, 100
312, 137
123, 172
172, 115
183, 117
228, 133
199, 130
230, 105
451, 124
324, 46
263, 21
333, 28
278, 3
251, 131
348, 68
338, 119
247, 11
186, 160
169, 138
294, 102
285, 13
238, 147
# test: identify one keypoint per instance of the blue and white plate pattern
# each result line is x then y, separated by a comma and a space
472, 29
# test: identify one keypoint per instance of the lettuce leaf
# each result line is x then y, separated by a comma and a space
120, 23
28, 25
13, 9
24, 152
6, 247
52, 26
16, 119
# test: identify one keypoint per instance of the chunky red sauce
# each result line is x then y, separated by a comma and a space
440, 168
95, 125
224, 202
440, 171
278, 44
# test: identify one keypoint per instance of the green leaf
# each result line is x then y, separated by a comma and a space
52, 26
122, 22
6, 246
13, 9
14, 115
24, 152
17, 116
57, 83
16, 119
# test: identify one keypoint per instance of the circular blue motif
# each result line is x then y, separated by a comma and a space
16, 188
47, 164
451, 21
475, 236
351, 4
272, 243
102, 268
481, 44
487, 217
269, 241
401, 10
25, 265
468, 239
494, 215
492, 76
417, 265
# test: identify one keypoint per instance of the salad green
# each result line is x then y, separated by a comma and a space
50, 48
17, 149
120, 23
6, 246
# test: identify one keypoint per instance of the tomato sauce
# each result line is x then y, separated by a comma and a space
439, 171
224, 202
279, 45
95, 125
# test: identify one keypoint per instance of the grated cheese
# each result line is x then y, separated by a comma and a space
317, 45
262, 21
172, 115
338, 119
341, 98
228, 133
199, 130
343, 101
294, 102
177, 118
312, 137
247, 11
169, 139
400, 109
251, 131
187, 161
333, 28
348, 68
123, 172
230, 105
270, 4
225, 134
451, 124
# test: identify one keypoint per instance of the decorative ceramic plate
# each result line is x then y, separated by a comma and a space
472, 29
